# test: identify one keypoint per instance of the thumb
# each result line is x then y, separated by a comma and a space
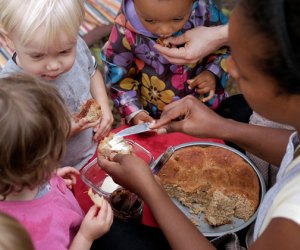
178, 40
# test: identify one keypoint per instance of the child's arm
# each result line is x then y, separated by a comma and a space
98, 91
95, 224
121, 69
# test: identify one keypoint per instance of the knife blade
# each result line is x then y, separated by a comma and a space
157, 166
136, 129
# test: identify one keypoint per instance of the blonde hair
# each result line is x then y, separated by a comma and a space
27, 17
34, 126
13, 236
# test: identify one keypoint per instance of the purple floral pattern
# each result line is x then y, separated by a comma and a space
141, 78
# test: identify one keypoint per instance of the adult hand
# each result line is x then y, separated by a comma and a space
190, 116
196, 44
129, 171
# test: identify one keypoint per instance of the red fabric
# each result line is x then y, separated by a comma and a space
156, 144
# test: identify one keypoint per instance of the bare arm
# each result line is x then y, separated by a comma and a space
196, 44
198, 120
133, 173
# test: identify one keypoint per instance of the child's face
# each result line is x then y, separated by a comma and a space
47, 63
163, 17
259, 89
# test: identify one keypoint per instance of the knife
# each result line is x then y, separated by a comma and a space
136, 129
156, 167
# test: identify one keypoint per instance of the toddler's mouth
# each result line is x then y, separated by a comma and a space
48, 77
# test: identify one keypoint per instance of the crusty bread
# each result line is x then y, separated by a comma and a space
96, 198
112, 144
212, 180
90, 110
163, 42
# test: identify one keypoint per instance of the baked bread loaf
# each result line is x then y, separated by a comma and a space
113, 143
90, 110
212, 180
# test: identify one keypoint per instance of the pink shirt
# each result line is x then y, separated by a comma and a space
52, 220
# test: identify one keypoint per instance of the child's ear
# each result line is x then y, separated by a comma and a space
5, 40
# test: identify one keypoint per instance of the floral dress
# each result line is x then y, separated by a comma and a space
140, 78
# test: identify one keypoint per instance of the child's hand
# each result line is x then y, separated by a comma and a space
204, 83
97, 221
69, 175
80, 125
104, 126
141, 117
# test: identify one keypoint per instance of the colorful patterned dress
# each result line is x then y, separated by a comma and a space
140, 78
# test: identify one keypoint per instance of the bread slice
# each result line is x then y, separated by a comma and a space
96, 198
90, 110
115, 144
212, 180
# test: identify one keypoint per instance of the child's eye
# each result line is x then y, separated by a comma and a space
63, 52
36, 57
178, 19
149, 21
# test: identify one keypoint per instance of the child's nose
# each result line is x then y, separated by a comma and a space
53, 65
165, 31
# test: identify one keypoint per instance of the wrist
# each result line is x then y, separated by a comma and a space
223, 35
80, 242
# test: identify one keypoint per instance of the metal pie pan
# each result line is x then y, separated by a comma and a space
236, 224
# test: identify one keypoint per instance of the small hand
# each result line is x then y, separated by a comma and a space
103, 128
204, 83
97, 221
69, 175
141, 117
79, 125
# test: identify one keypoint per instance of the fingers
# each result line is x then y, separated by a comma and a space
210, 96
106, 164
67, 171
102, 129
173, 55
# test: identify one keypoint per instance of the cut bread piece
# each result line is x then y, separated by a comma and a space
96, 198
114, 144
90, 110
